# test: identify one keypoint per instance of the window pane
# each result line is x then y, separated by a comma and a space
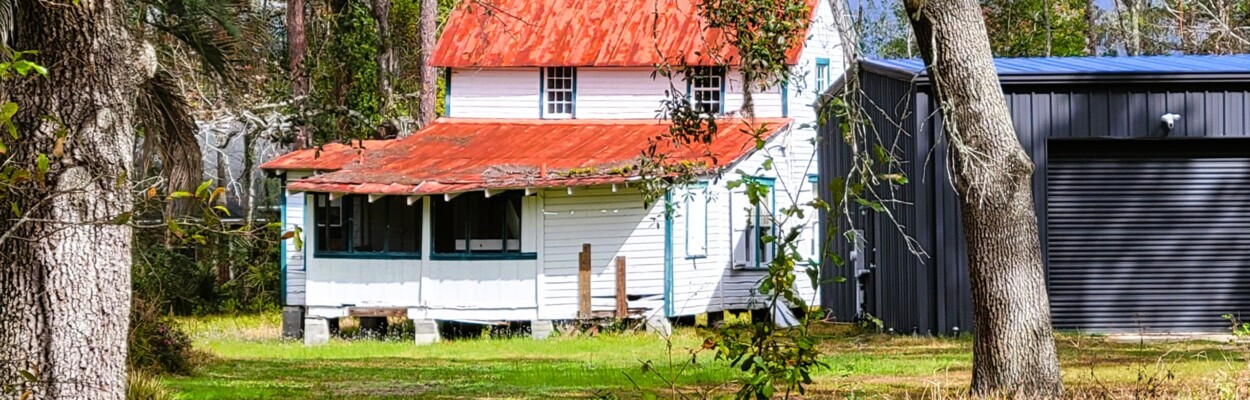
368, 225
405, 226
329, 219
473, 223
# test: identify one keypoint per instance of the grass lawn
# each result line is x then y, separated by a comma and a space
248, 361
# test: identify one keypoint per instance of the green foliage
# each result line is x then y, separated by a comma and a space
156, 344
344, 102
1031, 28
141, 385
763, 31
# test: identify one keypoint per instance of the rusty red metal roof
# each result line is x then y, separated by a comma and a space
458, 154
584, 33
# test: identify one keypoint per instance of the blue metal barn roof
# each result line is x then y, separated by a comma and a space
1142, 65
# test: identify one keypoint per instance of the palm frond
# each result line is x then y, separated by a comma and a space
170, 130
210, 28
7, 9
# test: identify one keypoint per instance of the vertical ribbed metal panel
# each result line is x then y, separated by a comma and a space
932, 294
838, 290
1149, 235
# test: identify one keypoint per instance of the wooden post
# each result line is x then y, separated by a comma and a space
583, 282
622, 303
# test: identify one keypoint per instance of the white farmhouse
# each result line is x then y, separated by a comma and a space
484, 214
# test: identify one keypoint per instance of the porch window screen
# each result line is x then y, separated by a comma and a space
351, 225
473, 223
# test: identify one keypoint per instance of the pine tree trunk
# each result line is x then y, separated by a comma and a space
65, 285
386, 56
1014, 347
296, 47
428, 29
1091, 28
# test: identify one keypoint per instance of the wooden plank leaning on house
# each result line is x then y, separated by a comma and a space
583, 282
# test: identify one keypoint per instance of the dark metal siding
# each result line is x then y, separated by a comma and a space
1149, 235
838, 291
931, 294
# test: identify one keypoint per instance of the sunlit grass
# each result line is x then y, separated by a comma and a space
250, 361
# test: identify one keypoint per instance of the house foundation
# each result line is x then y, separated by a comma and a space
541, 329
425, 331
316, 331
292, 322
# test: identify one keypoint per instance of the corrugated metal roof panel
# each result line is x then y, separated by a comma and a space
1144, 65
456, 155
582, 33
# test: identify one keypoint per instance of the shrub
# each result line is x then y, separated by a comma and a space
156, 343
143, 386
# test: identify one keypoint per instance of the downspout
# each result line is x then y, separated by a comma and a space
282, 243
668, 254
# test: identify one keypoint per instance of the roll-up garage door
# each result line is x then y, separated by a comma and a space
1149, 235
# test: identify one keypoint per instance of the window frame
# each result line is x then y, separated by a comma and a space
815, 233
347, 221
545, 73
754, 238
701, 188
692, 91
468, 254
822, 75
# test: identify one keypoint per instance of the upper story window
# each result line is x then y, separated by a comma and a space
558, 92
351, 225
707, 89
822, 75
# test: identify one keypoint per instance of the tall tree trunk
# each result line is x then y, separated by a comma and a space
1091, 28
1050, 34
296, 48
426, 100
386, 56
1014, 347
64, 279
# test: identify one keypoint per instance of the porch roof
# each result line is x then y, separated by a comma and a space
454, 155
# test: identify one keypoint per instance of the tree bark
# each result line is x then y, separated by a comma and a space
296, 48
1014, 348
1091, 28
64, 277
386, 56
428, 29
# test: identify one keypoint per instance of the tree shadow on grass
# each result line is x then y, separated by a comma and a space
398, 377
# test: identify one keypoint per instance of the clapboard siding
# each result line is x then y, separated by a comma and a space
711, 283
494, 93
619, 93
614, 224
293, 214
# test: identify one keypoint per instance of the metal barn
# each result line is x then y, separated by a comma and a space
1145, 224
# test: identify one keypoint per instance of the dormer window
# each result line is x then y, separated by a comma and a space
707, 89
558, 92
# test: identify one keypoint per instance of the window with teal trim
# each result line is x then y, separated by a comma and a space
822, 75
352, 226
472, 225
811, 232
752, 249
696, 221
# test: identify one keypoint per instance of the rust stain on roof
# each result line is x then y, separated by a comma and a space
584, 33
460, 154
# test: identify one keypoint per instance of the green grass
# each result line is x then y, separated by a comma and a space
247, 361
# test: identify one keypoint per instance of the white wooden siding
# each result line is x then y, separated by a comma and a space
712, 284
295, 267
614, 224
619, 93
495, 93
